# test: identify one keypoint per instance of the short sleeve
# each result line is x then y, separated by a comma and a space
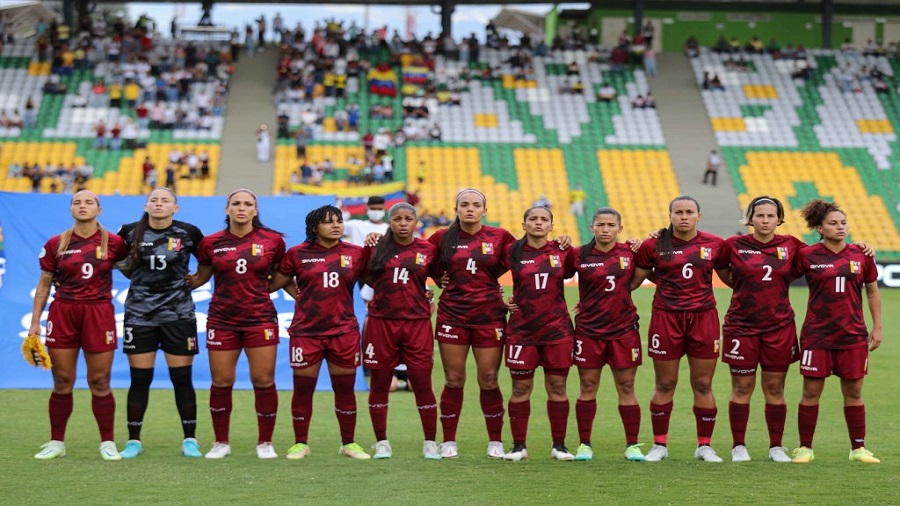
798, 266
723, 257
203, 257
196, 236
287, 264
645, 258
47, 256
570, 262
118, 250
870, 271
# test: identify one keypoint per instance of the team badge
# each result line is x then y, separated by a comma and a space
256, 250
110, 336
624, 263
499, 334
192, 343
487, 248
635, 354
268, 334
854, 266
554, 261
781, 252
705, 253
420, 259
101, 255
174, 244
345, 261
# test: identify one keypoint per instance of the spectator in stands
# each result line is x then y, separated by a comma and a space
14, 170
578, 88
801, 71
204, 164
692, 47
638, 102
648, 31
132, 92
171, 176
435, 132
543, 201
381, 142
192, 160
649, 101
650, 62
29, 119
713, 164
301, 138
100, 135
115, 137
848, 78
754, 45
130, 133
880, 85
78, 100
711, 82
262, 144
607, 93
147, 167
577, 198
721, 45
847, 47
15, 120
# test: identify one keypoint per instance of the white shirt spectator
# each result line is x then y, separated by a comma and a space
381, 141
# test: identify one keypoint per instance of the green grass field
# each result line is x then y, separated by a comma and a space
162, 476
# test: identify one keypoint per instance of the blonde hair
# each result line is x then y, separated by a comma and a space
65, 238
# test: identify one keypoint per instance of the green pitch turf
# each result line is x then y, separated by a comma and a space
162, 476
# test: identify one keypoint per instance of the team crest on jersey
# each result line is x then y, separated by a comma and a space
110, 337
854, 267
420, 259
268, 334
256, 250
101, 255
781, 252
345, 261
487, 248
554, 261
624, 263
705, 253
174, 244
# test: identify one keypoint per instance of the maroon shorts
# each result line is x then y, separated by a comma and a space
620, 353
674, 334
527, 357
389, 343
236, 339
774, 351
467, 336
847, 363
90, 326
340, 351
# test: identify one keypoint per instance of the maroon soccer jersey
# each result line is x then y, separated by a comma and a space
834, 314
400, 288
604, 285
472, 297
242, 266
83, 272
538, 290
761, 274
684, 281
325, 278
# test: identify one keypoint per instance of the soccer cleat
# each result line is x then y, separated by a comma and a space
519, 452
561, 453
778, 454
495, 450
706, 454
191, 448
430, 450
802, 455
132, 449
584, 453
449, 450
297, 452
740, 454
51, 450
354, 451
219, 451
633, 453
657, 453
383, 450
108, 451
862, 455
266, 451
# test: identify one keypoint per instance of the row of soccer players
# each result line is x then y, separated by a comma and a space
248, 261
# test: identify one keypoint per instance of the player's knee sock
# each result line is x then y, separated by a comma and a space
185, 398
706, 422
738, 414
660, 414
420, 381
104, 409
807, 417
856, 425
558, 412
266, 410
379, 388
585, 411
345, 405
138, 398
302, 406
631, 421
519, 412
492, 408
776, 414
60, 408
220, 411
451, 407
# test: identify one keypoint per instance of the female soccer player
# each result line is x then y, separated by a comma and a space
834, 338
159, 314
80, 262
540, 331
684, 321
241, 316
471, 313
606, 330
324, 326
398, 329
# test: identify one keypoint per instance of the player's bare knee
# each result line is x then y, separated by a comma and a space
488, 381
742, 389
702, 386
99, 384
557, 389
666, 387
625, 388
454, 379
522, 389
589, 386
63, 383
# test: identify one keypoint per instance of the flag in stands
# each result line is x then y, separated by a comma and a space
417, 74
356, 206
383, 81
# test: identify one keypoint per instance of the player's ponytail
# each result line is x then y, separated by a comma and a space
814, 213
318, 216
449, 243
138, 237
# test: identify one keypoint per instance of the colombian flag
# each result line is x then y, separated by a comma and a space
174, 244
420, 259
624, 263
256, 250
782, 253
554, 260
487, 248
705, 253
854, 266
345, 261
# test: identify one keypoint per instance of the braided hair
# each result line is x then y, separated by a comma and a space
318, 216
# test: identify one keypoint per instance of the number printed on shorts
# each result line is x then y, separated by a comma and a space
578, 347
735, 349
331, 279
296, 355
513, 351
654, 341
370, 351
241, 267
129, 335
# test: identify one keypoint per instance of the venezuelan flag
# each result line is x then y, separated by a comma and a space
256, 249
174, 244
345, 261
854, 266
554, 261
417, 74
487, 248
101, 255
781, 252
420, 259
383, 81
624, 263
268, 334
705, 253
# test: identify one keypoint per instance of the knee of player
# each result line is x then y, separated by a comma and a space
702, 386
99, 383
625, 387
63, 382
262, 381
666, 386
521, 389
557, 389
743, 388
589, 386
454, 379
487, 380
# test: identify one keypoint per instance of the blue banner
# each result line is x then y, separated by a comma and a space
27, 221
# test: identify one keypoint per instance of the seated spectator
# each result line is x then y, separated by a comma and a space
284, 130
711, 82
14, 170
572, 69
847, 48
721, 45
79, 100
650, 101
442, 220
543, 201
638, 102
435, 132
53, 86
754, 45
15, 119
692, 47
578, 88
801, 71
607, 93
565, 88
774, 48
880, 86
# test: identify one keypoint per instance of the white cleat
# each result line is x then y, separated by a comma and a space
516, 454
383, 450
218, 451
779, 454
740, 454
51, 450
430, 450
707, 454
108, 451
495, 450
449, 450
657, 453
561, 453
266, 451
